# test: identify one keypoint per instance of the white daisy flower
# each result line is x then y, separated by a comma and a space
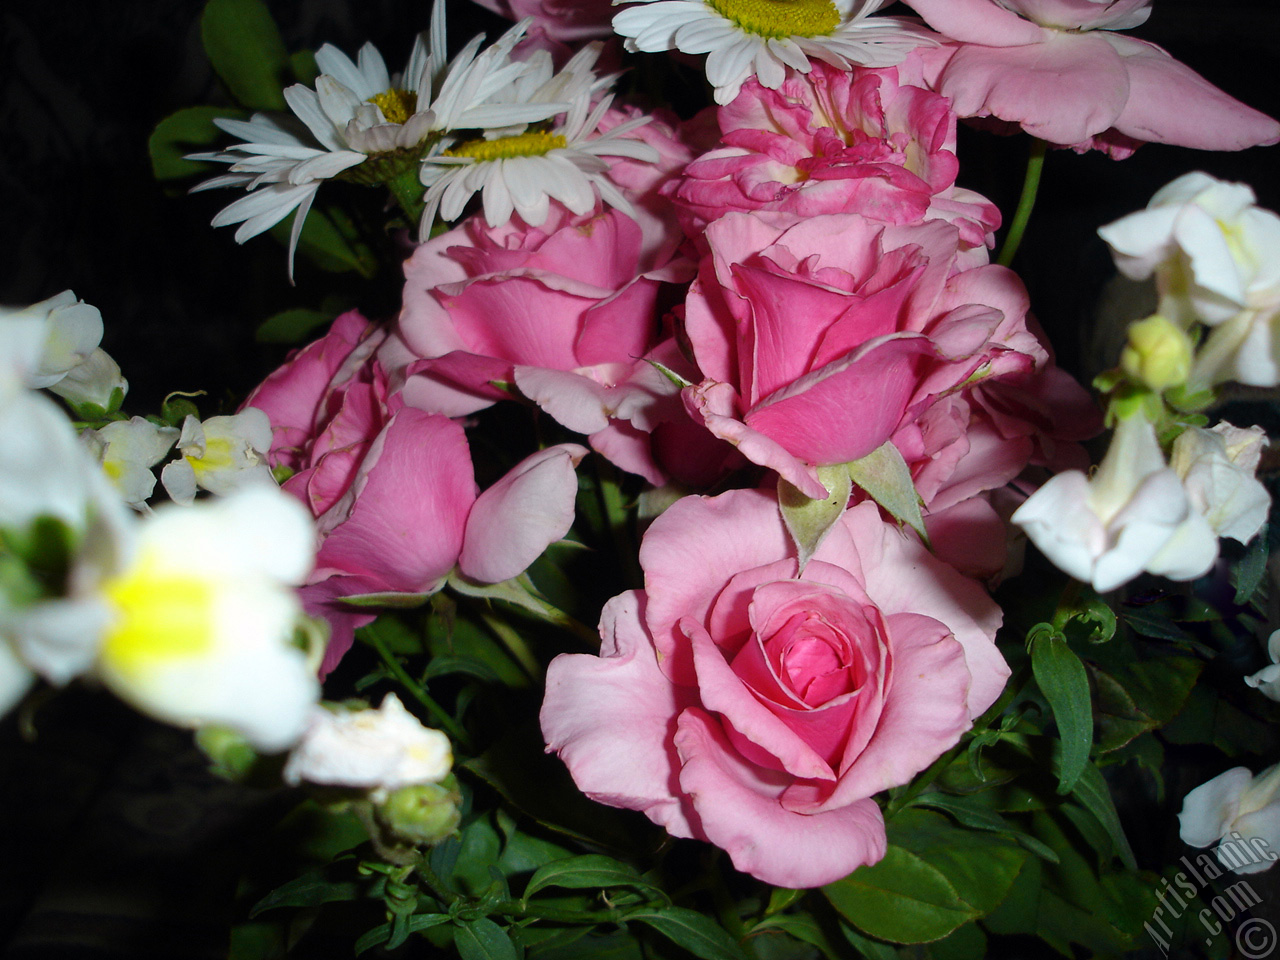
761, 38
519, 170
363, 125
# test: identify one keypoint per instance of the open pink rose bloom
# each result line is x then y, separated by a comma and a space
740, 703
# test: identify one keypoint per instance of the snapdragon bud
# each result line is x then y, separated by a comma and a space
1158, 354
422, 813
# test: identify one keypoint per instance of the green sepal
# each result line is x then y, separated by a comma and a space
885, 476
808, 520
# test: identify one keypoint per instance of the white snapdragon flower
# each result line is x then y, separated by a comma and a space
761, 38
127, 450
69, 363
379, 750
1267, 680
64, 530
203, 618
1214, 255
1217, 468
96, 382
1213, 251
1132, 515
1240, 813
220, 455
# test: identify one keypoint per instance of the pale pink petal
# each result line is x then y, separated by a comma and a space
737, 806
903, 577
516, 519
1064, 90
977, 21
1171, 103
738, 530
612, 720
416, 479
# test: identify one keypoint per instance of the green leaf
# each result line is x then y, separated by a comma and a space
540, 786
303, 67
969, 813
325, 245
291, 326
966, 943
1092, 792
934, 878
618, 944
443, 666
589, 871
244, 46
177, 407
868, 948
1248, 573
483, 940
1064, 683
310, 890
179, 134
809, 521
698, 934
799, 926
780, 898
902, 898
480, 848
884, 474
980, 868
381, 934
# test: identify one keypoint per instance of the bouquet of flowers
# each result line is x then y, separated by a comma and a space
706, 555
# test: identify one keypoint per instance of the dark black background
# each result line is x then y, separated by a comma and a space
114, 837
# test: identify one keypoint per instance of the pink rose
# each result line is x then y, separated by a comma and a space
1056, 68
737, 702
819, 338
870, 142
393, 488
963, 450
566, 313
566, 20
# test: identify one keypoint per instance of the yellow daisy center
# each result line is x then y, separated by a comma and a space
396, 105
505, 148
780, 18
161, 615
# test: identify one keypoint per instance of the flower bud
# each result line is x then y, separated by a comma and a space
1158, 354
422, 813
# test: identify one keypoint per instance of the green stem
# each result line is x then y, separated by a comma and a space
511, 639
616, 518
437, 886
438, 713
518, 908
1026, 203
408, 191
